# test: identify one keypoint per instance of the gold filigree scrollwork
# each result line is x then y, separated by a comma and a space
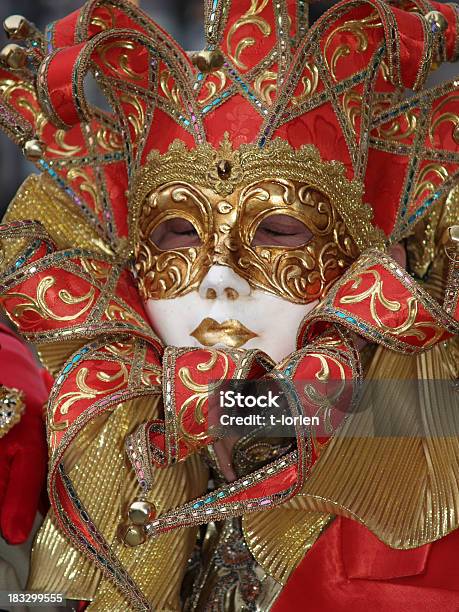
136, 118
196, 171
438, 118
426, 184
211, 87
171, 91
40, 306
357, 28
151, 378
104, 23
352, 102
384, 69
164, 273
122, 63
109, 140
97, 269
86, 392
65, 149
400, 128
325, 401
200, 396
250, 163
226, 230
115, 312
265, 86
438, 332
173, 270
87, 186
251, 17
127, 351
105, 138
300, 273
9, 87
309, 84
376, 294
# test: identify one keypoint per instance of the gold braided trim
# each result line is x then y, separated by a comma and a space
225, 170
403, 489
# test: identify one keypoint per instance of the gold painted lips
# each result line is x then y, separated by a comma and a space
230, 333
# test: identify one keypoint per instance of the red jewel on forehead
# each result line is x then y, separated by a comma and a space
224, 168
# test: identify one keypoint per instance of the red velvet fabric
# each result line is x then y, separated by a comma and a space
349, 570
23, 450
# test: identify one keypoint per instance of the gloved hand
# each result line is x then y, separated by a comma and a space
23, 450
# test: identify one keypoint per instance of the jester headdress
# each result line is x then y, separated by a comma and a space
340, 106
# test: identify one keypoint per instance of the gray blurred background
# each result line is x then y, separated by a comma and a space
181, 18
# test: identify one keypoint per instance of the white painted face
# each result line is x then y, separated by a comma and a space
227, 312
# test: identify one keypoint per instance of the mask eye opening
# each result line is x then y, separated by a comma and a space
281, 230
175, 233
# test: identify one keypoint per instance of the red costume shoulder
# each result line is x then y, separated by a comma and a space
19, 369
350, 569
23, 452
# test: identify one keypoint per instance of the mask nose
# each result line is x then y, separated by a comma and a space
222, 282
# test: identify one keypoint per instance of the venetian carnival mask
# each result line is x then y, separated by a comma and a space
255, 225
229, 257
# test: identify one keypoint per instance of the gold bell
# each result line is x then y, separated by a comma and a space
18, 27
132, 535
33, 150
208, 61
14, 56
436, 21
453, 234
140, 512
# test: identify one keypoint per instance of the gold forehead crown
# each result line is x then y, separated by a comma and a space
225, 170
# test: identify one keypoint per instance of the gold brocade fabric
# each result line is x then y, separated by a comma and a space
157, 566
41, 200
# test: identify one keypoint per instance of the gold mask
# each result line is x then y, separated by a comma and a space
226, 196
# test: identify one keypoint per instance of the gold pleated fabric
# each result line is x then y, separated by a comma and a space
404, 488
280, 538
158, 565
